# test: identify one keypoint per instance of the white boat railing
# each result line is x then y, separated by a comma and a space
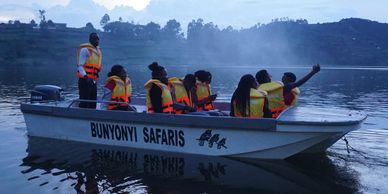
96, 101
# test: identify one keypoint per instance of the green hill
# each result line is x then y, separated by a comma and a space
282, 42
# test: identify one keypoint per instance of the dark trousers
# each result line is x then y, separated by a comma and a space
87, 91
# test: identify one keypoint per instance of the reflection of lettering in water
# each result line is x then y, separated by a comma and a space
152, 164
128, 158
163, 166
207, 136
211, 171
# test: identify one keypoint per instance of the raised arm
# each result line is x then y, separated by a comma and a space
316, 69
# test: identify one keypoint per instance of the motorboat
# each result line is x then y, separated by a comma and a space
296, 130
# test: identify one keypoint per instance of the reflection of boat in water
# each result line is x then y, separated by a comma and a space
118, 169
296, 130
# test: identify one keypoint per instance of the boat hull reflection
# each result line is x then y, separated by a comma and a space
101, 168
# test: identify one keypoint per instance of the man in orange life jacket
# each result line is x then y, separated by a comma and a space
277, 90
89, 66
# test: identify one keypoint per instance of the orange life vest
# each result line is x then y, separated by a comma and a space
275, 97
92, 65
180, 94
256, 105
121, 92
203, 91
166, 96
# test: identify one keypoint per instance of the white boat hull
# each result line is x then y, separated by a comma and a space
214, 136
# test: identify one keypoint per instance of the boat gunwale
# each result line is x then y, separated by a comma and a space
262, 124
195, 121
319, 123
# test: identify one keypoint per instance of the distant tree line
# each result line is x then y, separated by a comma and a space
283, 41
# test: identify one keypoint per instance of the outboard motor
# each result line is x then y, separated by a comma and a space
46, 93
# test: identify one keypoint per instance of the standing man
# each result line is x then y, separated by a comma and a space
89, 65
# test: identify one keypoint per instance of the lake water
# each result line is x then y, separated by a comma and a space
35, 165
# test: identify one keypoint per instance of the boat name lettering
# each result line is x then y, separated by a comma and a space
113, 131
164, 136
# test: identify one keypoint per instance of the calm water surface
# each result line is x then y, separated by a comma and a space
35, 165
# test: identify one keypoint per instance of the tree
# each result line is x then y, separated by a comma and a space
104, 20
50, 23
43, 23
120, 19
194, 30
33, 23
89, 27
42, 16
153, 30
172, 30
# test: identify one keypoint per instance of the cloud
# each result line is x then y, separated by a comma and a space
16, 12
35, 3
135, 4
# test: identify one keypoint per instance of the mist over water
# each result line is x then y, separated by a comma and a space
46, 166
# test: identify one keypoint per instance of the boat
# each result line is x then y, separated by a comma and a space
296, 130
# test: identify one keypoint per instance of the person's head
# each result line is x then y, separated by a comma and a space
242, 94
119, 71
247, 82
94, 39
288, 77
203, 76
189, 81
209, 77
158, 72
262, 76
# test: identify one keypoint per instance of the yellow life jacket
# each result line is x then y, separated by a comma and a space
275, 97
180, 94
92, 65
166, 96
203, 91
295, 92
121, 92
256, 105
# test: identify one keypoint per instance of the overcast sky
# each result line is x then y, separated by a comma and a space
237, 13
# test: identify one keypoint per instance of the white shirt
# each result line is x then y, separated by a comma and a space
83, 56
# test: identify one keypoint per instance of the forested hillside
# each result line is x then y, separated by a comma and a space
356, 42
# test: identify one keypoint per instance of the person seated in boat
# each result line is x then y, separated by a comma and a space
183, 94
205, 98
159, 99
117, 90
248, 101
203, 90
277, 89
291, 86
